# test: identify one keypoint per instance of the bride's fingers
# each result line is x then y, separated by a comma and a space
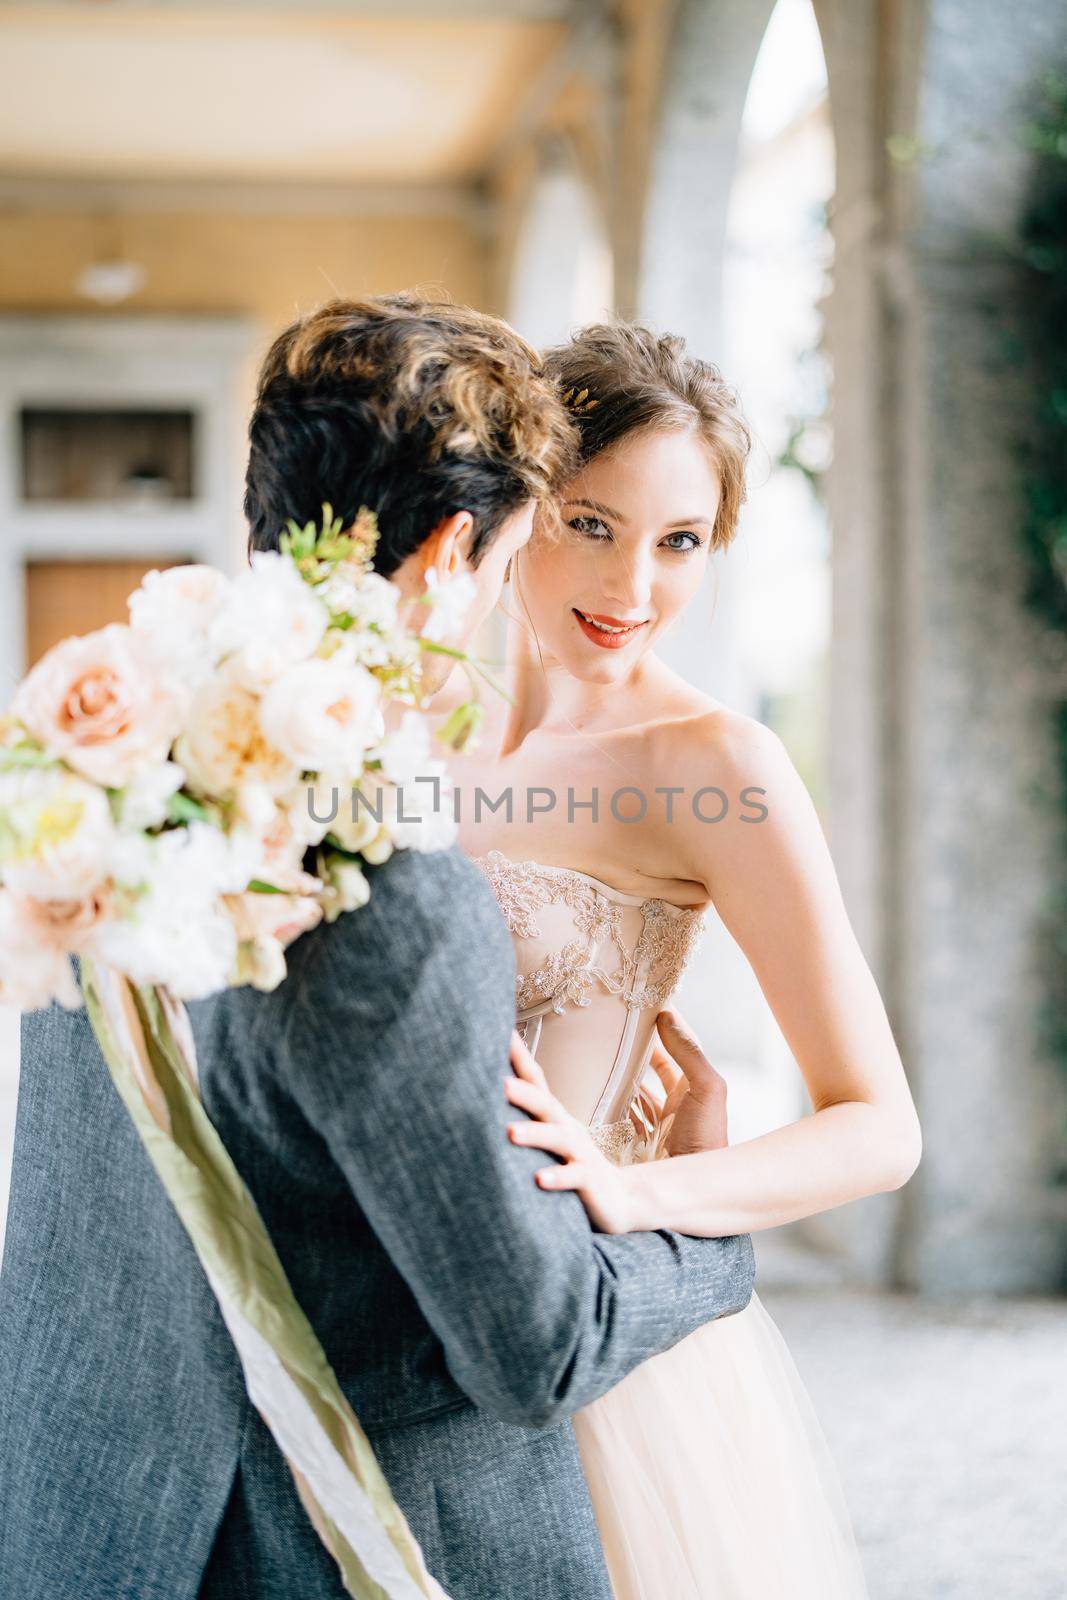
523, 1062
532, 1098
571, 1176
552, 1137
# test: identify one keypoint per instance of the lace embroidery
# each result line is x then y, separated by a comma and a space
617, 1140
622, 1144
569, 974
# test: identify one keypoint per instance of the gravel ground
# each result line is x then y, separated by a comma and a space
948, 1423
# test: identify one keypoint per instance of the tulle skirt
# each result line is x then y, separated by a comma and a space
710, 1476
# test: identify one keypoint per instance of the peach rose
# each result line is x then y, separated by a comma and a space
34, 964
224, 747
66, 924
100, 704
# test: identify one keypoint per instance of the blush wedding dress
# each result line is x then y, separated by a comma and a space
707, 1469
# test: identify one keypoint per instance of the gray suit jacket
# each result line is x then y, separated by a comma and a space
466, 1312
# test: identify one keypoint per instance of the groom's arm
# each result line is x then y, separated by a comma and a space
399, 1020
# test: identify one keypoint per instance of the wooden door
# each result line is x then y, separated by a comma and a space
65, 597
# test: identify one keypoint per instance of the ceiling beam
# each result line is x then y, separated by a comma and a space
583, 48
300, 10
123, 195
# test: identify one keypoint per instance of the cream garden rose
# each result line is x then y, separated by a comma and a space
225, 746
270, 620
57, 834
102, 704
176, 611
155, 777
323, 715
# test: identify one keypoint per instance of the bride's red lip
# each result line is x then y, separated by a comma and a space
597, 636
612, 622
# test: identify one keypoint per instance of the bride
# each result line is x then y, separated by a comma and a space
601, 782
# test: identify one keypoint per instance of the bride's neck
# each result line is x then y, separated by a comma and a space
545, 696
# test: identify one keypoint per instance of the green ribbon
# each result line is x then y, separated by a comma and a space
232, 1243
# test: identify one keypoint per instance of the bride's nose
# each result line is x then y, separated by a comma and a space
626, 580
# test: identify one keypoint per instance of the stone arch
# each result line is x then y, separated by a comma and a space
708, 67
560, 269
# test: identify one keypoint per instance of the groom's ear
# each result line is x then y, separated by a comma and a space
448, 546
444, 548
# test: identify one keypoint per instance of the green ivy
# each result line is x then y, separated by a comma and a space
1044, 527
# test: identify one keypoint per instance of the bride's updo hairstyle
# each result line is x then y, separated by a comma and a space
414, 408
618, 379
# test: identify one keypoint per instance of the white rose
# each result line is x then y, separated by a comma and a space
143, 802
405, 752
366, 647
368, 598
55, 834
316, 806
379, 849
450, 599
176, 611
193, 955
176, 930
224, 747
418, 815
270, 620
280, 839
254, 807
351, 886
265, 924
346, 888
323, 714
356, 813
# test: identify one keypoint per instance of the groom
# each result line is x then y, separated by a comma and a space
466, 1312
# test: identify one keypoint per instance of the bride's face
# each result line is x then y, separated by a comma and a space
637, 526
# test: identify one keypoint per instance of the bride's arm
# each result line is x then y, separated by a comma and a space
774, 885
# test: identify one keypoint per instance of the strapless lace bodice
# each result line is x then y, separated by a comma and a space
594, 967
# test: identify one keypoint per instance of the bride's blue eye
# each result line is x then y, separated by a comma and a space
694, 542
588, 526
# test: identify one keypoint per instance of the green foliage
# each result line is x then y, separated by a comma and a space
316, 549
1044, 528
1044, 237
183, 808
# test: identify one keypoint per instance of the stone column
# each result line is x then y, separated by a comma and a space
942, 758
975, 829
943, 751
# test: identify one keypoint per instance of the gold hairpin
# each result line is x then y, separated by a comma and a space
578, 400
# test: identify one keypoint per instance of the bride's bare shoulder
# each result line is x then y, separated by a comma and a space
703, 734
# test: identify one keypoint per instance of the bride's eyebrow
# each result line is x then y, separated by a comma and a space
595, 505
689, 522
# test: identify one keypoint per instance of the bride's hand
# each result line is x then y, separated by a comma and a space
692, 1116
601, 1186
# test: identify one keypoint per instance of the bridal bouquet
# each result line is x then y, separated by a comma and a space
180, 798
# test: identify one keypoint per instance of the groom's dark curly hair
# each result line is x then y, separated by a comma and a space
416, 409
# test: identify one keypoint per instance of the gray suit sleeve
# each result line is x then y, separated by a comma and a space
396, 1049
